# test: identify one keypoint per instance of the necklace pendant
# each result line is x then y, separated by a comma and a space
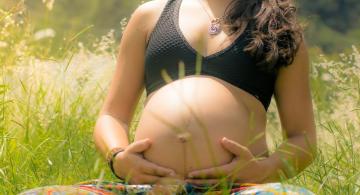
214, 28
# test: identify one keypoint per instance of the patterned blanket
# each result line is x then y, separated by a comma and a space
98, 187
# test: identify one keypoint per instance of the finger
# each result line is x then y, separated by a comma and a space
149, 179
154, 169
203, 181
143, 179
171, 180
139, 146
214, 172
236, 148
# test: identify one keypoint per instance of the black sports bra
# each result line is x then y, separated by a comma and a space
167, 47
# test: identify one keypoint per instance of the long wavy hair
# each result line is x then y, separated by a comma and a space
275, 31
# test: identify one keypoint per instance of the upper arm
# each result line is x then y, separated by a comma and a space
293, 96
127, 83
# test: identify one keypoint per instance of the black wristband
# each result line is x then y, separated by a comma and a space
111, 163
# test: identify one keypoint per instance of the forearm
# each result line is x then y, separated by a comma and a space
292, 156
109, 133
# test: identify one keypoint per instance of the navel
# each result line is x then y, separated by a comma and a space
184, 137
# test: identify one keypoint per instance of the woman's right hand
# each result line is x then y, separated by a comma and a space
131, 164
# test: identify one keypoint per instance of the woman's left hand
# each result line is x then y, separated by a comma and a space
244, 167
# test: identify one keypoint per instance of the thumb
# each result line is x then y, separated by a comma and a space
139, 146
236, 148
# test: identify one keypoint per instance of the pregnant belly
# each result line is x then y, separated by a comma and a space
186, 120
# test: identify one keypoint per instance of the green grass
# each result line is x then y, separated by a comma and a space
48, 109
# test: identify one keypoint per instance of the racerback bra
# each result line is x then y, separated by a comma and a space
167, 47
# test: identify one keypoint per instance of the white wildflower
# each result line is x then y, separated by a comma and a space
3, 44
20, 49
343, 56
123, 24
326, 77
356, 54
106, 43
81, 45
8, 21
44, 33
49, 4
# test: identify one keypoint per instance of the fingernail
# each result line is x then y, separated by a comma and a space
172, 173
190, 176
224, 139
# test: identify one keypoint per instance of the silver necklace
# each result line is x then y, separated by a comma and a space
215, 26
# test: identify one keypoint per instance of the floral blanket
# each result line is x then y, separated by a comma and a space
97, 187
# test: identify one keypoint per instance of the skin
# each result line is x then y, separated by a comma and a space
240, 160
188, 104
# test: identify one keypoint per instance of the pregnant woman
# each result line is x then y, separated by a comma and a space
210, 69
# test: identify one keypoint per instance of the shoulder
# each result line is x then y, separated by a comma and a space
149, 9
146, 14
153, 4
294, 77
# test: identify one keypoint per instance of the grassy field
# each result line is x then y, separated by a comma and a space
48, 108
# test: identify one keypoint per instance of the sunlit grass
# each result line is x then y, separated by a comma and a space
48, 108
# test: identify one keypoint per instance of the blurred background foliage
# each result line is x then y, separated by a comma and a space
332, 26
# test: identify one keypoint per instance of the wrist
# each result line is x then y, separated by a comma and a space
269, 170
111, 153
111, 156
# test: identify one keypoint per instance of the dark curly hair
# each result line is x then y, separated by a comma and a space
275, 32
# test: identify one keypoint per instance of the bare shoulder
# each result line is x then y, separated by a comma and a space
151, 6
148, 13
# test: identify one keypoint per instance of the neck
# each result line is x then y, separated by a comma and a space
217, 6
218, 2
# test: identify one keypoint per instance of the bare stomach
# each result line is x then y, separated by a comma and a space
187, 118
